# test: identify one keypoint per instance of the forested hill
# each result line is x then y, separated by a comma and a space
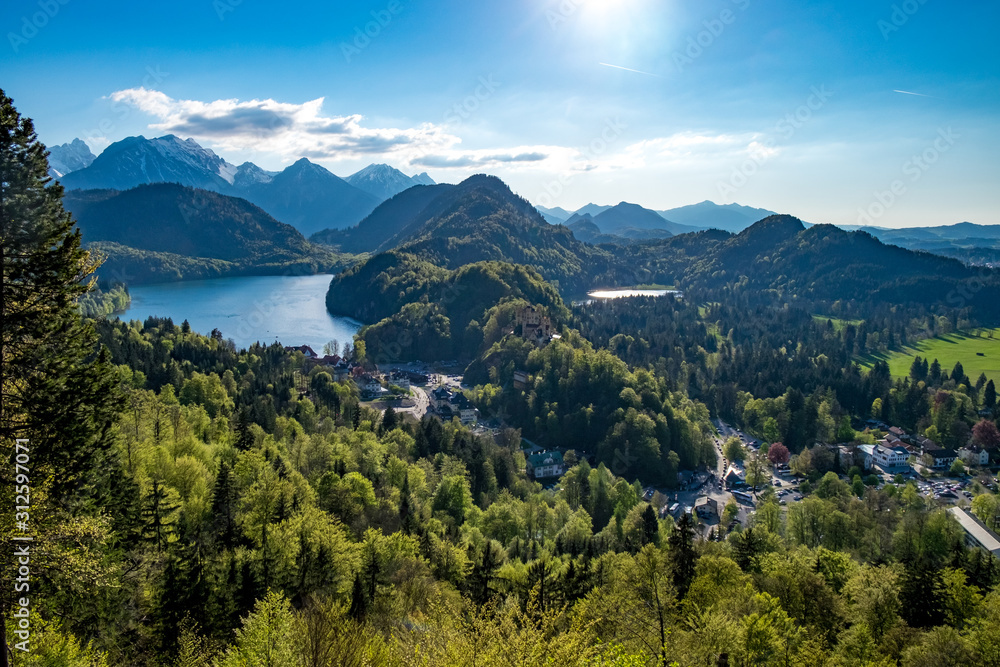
421, 311
385, 222
197, 233
478, 220
481, 219
819, 264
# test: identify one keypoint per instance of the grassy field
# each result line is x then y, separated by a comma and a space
965, 347
838, 324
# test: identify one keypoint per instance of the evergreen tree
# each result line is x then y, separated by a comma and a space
683, 557
748, 547
934, 374
958, 373
650, 526
54, 390
921, 595
244, 436
59, 392
406, 518
182, 595
158, 514
359, 604
224, 502
389, 420
484, 571
990, 395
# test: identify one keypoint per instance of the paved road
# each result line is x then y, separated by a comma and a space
421, 401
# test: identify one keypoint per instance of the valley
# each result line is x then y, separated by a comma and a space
550, 334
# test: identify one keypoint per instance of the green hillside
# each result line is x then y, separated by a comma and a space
965, 347
165, 231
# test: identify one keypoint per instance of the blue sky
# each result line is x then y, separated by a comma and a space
784, 105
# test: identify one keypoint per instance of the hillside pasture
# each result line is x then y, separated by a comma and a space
978, 350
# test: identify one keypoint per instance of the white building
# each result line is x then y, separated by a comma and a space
890, 457
976, 456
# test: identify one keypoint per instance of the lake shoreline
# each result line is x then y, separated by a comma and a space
290, 310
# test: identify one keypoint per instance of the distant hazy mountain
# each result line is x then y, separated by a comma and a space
165, 231
304, 195
138, 161
66, 158
385, 222
248, 175
961, 232
592, 209
384, 181
167, 217
585, 229
709, 215
555, 215
310, 198
821, 262
624, 216
971, 243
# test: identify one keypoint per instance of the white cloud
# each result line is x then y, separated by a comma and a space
292, 131
690, 147
289, 130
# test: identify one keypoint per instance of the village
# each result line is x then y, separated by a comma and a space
718, 500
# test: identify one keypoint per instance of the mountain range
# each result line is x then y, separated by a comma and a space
585, 229
166, 231
618, 223
384, 181
66, 158
304, 195
479, 219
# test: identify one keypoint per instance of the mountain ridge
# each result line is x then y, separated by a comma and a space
183, 222
384, 181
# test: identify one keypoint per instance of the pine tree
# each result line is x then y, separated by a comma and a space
389, 420
224, 507
650, 526
158, 514
683, 556
958, 373
359, 604
244, 436
53, 390
59, 391
990, 395
406, 518
934, 374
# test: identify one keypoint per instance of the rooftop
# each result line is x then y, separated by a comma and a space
974, 528
545, 459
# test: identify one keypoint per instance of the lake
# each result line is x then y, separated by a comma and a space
287, 309
621, 293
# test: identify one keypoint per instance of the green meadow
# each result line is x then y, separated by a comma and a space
838, 324
975, 349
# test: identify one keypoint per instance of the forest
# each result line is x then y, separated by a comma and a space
196, 504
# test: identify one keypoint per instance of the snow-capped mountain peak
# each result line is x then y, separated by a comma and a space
383, 181
66, 158
137, 160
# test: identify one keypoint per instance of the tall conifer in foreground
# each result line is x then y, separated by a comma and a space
58, 392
